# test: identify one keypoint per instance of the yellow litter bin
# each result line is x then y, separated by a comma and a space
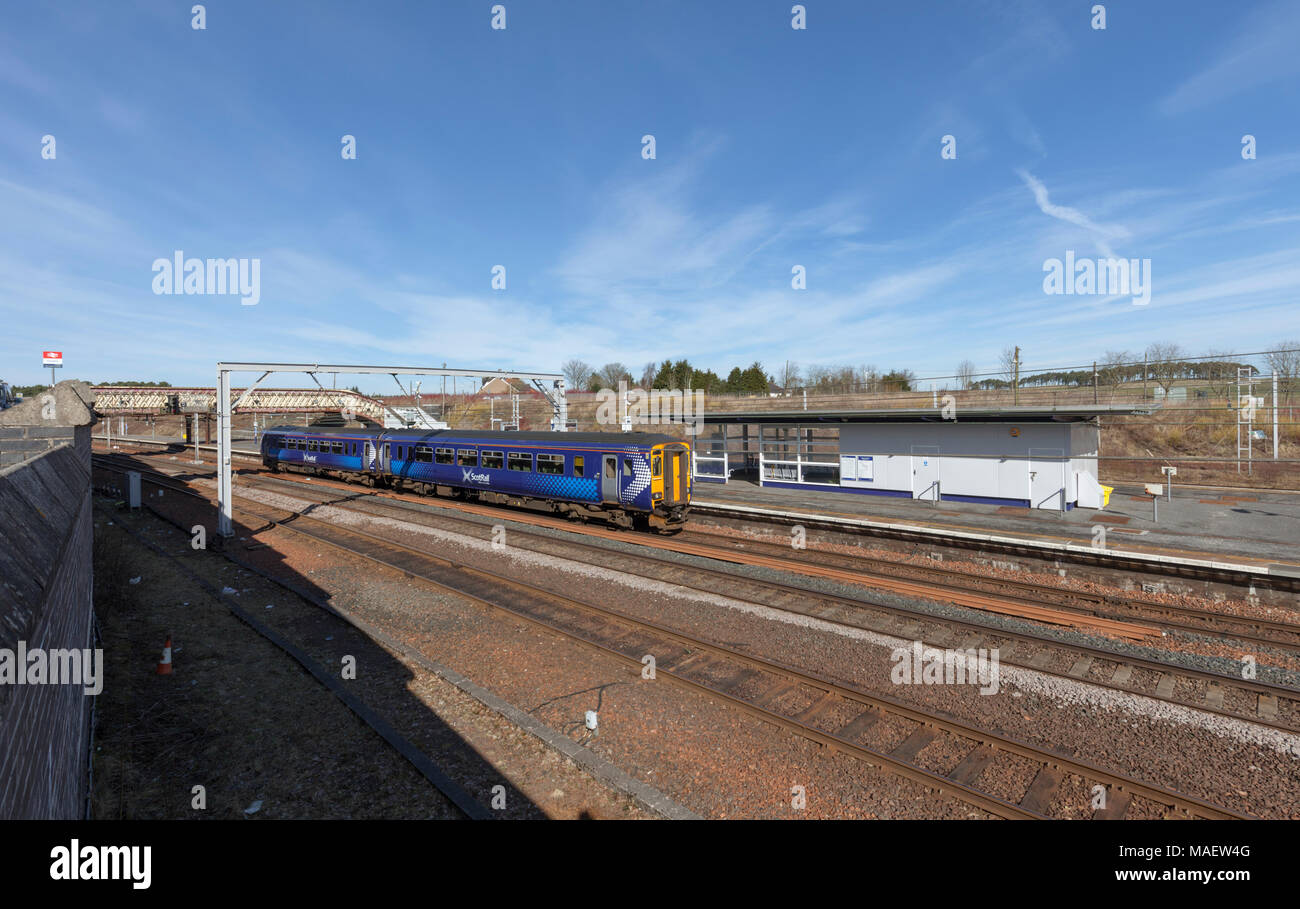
1105, 494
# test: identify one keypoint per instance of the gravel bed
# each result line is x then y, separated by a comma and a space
1220, 759
1201, 652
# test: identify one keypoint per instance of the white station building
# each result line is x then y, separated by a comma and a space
1033, 457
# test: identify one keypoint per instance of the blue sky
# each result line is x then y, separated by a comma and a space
775, 147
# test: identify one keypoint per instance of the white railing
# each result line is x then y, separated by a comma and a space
785, 471
724, 474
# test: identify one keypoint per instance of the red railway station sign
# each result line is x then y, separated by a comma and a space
51, 358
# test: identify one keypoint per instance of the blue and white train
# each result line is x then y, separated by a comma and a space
639, 480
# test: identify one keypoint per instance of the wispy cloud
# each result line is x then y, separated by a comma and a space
1263, 51
1102, 233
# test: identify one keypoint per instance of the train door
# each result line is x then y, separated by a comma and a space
368, 460
672, 477
609, 478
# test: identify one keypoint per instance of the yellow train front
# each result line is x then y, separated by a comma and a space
670, 483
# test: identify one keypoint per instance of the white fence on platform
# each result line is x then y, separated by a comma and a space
805, 470
709, 467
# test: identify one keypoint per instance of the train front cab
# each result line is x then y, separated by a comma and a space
670, 483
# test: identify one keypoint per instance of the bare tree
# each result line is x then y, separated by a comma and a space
1114, 370
788, 377
869, 377
965, 374
1284, 359
1165, 364
648, 374
609, 375
576, 374
1007, 363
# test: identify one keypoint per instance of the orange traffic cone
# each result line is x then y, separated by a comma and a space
165, 664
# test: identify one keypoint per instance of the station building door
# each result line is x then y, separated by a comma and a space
925, 472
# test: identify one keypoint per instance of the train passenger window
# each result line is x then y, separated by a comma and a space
492, 459
467, 457
424, 454
577, 465
627, 467
336, 447
445, 455
657, 466
549, 463
311, 446
609, 468
519, 460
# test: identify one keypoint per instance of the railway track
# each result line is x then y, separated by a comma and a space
1222, 694
866, 726
1049, 604
1258, 631
468, 806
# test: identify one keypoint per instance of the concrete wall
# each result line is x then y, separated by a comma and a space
46, 590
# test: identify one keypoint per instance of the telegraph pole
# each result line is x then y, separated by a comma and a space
1015, 382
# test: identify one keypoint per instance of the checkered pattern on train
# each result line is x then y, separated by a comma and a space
639, 485
578, 489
